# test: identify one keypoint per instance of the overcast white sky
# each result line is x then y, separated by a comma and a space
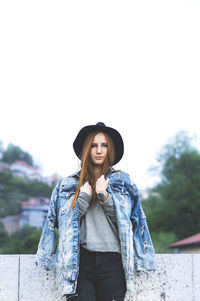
134, 65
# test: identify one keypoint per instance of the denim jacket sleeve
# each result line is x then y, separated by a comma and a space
143, 246
48, 241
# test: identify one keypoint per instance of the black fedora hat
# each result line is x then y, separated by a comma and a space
101, 127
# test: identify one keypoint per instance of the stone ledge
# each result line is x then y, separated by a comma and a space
176, 279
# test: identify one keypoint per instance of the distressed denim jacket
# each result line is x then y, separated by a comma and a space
137, 250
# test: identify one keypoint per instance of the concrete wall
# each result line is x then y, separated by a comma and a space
11, 223
176, 279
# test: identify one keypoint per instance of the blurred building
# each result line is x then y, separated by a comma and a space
34, 212
144, 193
24, 170
11, 223
51, 180
4, 166
188, 245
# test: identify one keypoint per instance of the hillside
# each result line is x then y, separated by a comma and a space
14, 189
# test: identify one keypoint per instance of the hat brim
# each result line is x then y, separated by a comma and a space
114, 134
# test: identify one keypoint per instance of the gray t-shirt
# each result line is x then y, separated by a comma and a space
98, 229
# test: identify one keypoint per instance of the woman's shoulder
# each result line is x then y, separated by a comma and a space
121, 176
69, 180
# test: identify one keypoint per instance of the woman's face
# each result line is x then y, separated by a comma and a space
99, 149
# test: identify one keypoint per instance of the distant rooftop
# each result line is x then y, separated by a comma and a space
36, 201
25, 164
191, 240
37, 208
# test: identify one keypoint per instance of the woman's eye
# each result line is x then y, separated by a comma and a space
103, 145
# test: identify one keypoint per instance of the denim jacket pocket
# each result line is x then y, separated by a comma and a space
66, 190
66, 193
119, 187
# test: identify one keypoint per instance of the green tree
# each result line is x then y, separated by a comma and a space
14, 189
14, 153
24, 241
1, 149
162, 240
3, 235
174, 204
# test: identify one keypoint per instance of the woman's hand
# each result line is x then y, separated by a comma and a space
101, 184
86, 188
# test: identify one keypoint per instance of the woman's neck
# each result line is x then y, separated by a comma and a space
97, 171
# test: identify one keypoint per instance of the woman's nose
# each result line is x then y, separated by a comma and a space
99, 149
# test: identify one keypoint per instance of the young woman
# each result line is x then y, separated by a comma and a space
102, 231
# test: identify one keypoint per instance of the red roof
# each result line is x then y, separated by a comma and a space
35, 201
25, 164
194, 239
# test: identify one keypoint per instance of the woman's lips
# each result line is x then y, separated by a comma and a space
98, 158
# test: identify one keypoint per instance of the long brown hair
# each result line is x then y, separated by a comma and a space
87, 168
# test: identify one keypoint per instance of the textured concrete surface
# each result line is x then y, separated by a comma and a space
9, 272
176, 279
196, 276
36, 284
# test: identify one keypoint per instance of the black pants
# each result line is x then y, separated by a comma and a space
101, 277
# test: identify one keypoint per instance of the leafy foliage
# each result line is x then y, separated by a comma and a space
24, 241
3, 235
1, 149
14, 189
14, 153
174, 204
162, 240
